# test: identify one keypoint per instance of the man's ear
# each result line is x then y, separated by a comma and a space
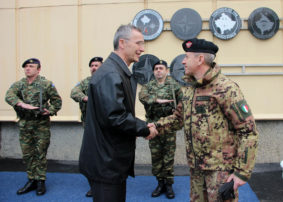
201, 59
122, 43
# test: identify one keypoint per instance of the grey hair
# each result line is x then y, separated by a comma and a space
123, 32
208, 58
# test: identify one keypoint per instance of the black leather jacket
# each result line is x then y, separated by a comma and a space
108, 148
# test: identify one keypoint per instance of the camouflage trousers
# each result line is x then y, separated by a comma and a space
205, 185
162, 156
34, 140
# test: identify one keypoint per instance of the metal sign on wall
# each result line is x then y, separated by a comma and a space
149, 22
263, 23
225, 23
186, 23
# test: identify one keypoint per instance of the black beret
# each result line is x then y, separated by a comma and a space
160, 62
31, 61
95, 59
199, 46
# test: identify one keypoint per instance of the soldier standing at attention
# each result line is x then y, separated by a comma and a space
219, 129
34, 99
158, 98
79, 94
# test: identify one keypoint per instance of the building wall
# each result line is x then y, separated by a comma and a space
65, 34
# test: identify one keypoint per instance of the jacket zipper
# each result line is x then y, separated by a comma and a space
191, 120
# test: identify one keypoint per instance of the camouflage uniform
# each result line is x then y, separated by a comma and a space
220, 131
78, 93
34, 127
162, 147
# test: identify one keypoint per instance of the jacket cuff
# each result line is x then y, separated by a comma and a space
241, 176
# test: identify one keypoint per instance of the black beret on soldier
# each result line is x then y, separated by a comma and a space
199, 46
160, 62
95, 59
31, 61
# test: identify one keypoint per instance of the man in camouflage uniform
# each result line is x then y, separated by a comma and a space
158, 98
34, 99
220, 131
79, 94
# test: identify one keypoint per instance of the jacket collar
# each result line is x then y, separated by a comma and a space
209, 76
121, 63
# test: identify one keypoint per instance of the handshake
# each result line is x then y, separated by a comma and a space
153, 131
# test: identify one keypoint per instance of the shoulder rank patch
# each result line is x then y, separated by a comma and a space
242, 109
78, 83
53, 85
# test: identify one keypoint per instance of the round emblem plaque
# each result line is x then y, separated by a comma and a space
149, 22
186, 23
225, 23
177, 70
142, 70
263, 23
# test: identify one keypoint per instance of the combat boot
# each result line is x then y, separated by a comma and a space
29, 186
169, 191
159, 189
40, 190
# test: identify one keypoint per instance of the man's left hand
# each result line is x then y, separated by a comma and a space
237, 181
46, 112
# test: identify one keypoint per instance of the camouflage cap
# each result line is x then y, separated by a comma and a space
199, 46
95, 59
160, 62
31, 61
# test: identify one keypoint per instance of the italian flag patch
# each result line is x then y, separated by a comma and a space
245, 108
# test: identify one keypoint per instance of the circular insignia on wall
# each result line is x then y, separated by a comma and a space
142, 70
149, 22
177, 70
225, 23
186, 23
263, 23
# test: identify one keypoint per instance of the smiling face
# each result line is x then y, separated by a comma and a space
133, 47
191, 63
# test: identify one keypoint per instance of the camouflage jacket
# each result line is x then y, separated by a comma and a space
40, 89
152, 90
220, 131
78, 93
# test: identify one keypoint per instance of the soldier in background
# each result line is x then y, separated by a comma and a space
158, 98
220, 131
79, 94
34, 99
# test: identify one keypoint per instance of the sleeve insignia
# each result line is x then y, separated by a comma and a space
242, 110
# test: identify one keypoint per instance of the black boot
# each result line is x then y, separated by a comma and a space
159, 189
169, 191
89, 193
40, 190
29, 186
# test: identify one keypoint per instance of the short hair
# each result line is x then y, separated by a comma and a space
123, 32
208, 58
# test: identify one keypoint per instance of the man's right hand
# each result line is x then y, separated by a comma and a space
85, 99
152, 134
26, 106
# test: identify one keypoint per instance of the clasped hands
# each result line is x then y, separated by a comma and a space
153, 131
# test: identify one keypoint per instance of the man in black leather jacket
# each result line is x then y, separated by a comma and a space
108, 149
